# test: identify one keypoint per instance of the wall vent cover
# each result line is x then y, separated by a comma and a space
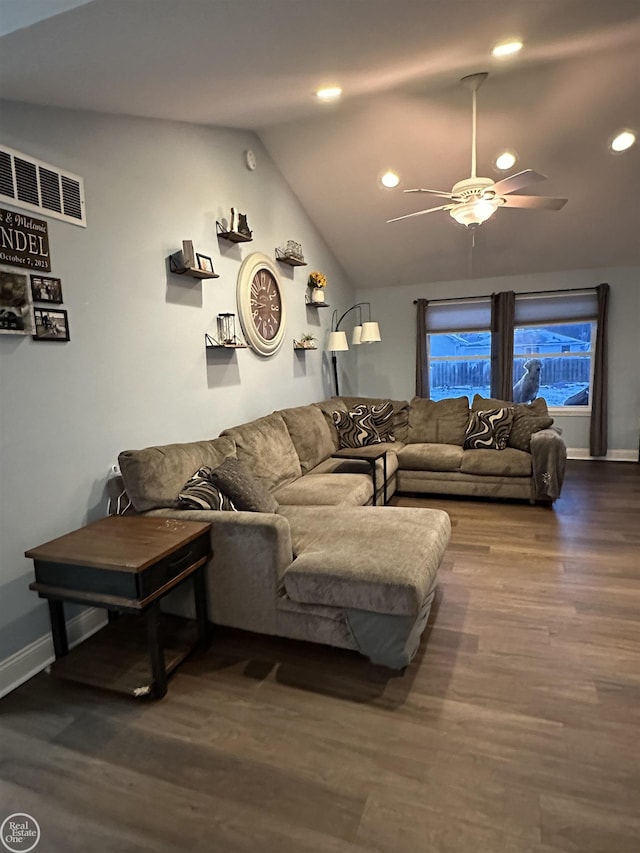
41, 187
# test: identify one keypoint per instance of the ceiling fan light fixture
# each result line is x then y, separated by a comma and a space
506, 48
505, 161
622, 141
329, 93
390, 179
474, 213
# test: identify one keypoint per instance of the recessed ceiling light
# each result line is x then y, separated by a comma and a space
329, 93
505, 160
390, 179
622, 141
507, 48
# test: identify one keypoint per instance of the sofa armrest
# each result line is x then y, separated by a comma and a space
251, 553
549, 460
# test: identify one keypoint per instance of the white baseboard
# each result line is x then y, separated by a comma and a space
612, 455
26, 663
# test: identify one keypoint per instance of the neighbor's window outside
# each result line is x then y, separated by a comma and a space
459, 364
557, 357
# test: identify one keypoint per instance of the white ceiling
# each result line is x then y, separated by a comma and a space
255, 64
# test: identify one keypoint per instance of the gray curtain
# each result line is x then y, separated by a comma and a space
600, 391
422, 366
503, 307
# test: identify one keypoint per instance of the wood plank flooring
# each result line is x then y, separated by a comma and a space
515, 730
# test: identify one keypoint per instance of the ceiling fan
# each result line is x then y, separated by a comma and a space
476, 199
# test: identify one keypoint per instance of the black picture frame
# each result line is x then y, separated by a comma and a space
52, 324
45, 288
204, 262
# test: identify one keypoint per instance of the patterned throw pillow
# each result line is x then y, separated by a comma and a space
382, 417
245, 490
200, 493
488, 430
356, 427
524, 425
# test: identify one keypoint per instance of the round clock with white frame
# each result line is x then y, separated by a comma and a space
261, 304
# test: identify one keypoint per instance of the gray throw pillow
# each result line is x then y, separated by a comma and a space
524, 425
242, 488
200, 493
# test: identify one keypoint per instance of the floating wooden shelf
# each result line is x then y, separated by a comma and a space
298, 346
232, 236
292, 262
212, 343
316, 304
195, 272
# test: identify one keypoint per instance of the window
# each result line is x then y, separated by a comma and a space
553, 345
554, 337
459, 347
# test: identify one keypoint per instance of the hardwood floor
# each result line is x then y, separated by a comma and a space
515, 729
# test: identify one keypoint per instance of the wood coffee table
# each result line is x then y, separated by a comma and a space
125, 564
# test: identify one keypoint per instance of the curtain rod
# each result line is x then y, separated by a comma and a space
524, 293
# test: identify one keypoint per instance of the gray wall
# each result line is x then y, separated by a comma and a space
388, 368
135, 371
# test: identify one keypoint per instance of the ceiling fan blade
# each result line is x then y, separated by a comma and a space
540, 202
433, 192
517, 182
422, 212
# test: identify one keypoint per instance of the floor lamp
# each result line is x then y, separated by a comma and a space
363, 333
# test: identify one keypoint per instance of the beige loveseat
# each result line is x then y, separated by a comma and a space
322, 563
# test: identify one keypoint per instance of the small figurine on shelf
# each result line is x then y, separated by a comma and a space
243, 226
227, 330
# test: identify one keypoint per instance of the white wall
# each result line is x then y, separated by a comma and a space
135, 372
388, 368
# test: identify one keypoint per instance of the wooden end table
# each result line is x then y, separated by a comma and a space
126, 564
370, 453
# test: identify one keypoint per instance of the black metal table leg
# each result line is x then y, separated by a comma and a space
58, 627
155, 649
200, 594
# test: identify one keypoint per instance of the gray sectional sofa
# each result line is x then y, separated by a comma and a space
328, 562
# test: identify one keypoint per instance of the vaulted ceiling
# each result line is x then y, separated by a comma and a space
255, 64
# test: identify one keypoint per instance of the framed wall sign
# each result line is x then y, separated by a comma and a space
24, 241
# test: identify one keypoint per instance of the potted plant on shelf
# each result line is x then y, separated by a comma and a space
307, 341
317, 282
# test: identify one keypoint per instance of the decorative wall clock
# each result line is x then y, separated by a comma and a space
261, 304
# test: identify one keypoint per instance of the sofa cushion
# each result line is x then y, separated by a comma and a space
328, 407
400, 427
438, 421
356, 427
154, 476
489, 430
310, 435
481, 404
327, 490
506, 463
524, 425
264, 446
430, 457
352, 559
199, 492
244, 490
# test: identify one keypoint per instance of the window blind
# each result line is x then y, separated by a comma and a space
564, 306
459, 315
